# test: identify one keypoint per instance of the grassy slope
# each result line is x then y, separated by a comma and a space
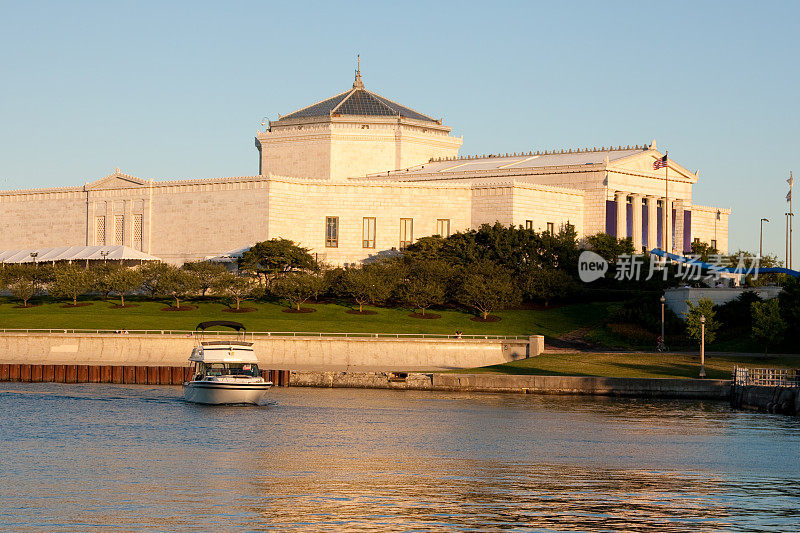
641, 365
269, 317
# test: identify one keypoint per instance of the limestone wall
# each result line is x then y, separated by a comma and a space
541, 205
708, 226
296, 353
298, 210
196, 220
52, 217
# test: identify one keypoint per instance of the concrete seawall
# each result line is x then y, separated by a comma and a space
599, 386
295, 352
785, 400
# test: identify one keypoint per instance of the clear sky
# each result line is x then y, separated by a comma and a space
177, 90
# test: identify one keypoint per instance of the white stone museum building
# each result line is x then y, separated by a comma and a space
358, 175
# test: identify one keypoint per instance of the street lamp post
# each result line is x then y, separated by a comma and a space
761, 237
663, 300
105, 256
34, 255
702, 346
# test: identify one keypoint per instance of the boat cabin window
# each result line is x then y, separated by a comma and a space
228, 369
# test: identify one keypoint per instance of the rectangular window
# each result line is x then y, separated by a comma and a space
119, 229
443, 227
332, 232
368, 232
406, 232
551, 228
696, 240
100, 231
714, 243
137, 232
529, 224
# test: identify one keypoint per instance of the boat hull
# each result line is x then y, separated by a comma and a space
211, 393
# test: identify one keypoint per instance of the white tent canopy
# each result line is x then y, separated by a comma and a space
75, 253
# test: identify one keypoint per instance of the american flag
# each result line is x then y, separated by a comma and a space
660, 163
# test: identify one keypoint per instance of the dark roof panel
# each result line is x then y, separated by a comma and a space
358, 102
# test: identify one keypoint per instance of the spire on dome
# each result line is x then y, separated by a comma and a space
358, 84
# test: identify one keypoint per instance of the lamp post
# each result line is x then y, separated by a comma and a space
34, 255
761, 237
663, 301
702, 346
104, 253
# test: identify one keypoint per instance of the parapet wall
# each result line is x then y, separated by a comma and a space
296, 353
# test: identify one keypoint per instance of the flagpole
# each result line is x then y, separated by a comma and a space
666, 203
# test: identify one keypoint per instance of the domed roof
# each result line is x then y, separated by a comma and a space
358, 101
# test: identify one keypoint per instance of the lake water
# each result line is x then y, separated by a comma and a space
129, 458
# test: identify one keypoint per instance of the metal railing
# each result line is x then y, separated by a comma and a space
767, 377
261, 334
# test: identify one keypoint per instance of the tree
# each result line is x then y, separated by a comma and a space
21, 283
486, 287
296, 287
704, 250
546, 284
275, 257
703, 307
207, 273
425, 284
236, 289
103, 274
177, 284
70, 281
789, 303
369, 284
609, 247
768, 325
124, 281
153, 273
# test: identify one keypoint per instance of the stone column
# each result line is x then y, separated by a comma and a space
621, 199
678, 226
652, 222
636, 227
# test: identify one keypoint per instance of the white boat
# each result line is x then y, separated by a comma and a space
224, 371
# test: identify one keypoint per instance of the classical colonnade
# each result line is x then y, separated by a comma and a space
642, 218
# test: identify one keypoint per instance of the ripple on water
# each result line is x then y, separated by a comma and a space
130, 458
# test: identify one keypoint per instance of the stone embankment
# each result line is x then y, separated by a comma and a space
785, 400
588, 385
300, 352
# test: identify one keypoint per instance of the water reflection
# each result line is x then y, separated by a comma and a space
129, 458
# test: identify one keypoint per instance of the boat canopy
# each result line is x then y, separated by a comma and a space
232, 352
202, 326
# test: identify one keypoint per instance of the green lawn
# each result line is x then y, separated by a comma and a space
633, 365
269, 317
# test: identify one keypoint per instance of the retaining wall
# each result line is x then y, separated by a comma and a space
135, 375
784, 400
601, 386
299, 353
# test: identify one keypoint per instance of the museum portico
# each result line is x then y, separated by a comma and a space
357, 175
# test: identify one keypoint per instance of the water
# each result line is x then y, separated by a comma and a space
130, 458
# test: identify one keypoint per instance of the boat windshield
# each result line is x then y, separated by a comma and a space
229, 369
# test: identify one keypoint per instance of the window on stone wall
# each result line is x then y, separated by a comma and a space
714, 243
443, 227
368, 232
137, 232
332, 232
100, 231
551, 228
119, 229
529, 224
406, 232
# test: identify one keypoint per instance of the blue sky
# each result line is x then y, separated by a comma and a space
178, 90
